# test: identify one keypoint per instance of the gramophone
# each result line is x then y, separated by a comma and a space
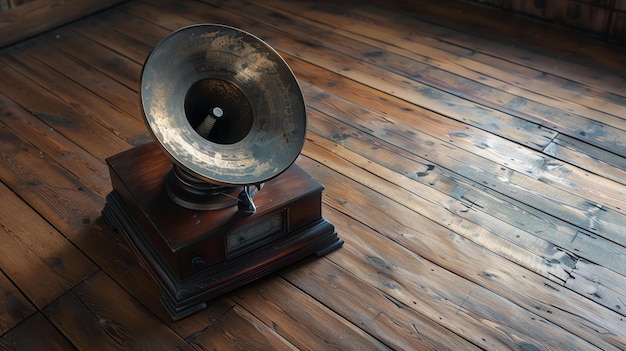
216, 200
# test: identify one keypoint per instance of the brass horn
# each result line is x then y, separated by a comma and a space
225, 107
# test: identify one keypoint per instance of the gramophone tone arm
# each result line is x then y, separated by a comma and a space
246, 204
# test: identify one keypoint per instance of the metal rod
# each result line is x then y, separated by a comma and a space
204, 129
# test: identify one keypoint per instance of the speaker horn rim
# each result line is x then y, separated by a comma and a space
260, 155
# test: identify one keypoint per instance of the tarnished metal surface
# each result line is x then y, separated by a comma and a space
199, 68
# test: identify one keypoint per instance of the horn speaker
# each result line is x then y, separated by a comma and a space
216, 201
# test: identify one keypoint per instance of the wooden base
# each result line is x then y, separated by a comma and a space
197, 255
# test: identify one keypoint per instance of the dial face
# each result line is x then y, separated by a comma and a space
255, 234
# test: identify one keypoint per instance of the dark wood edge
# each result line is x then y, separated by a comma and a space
38, 16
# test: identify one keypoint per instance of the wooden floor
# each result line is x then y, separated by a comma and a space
474, 163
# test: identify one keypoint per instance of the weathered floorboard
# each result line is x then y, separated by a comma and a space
31, 247
98, 314
414, 232
36, 333
16, 307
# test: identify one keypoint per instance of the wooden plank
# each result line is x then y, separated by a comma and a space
56, 202
111, 117
392, 56
15, 306
557, 242
587, 15
588, 157
85, 75
108, 31
36, 333
237, 329
54, 145
448, 146
423, 285
399, 326
111, 251
453, 202
563, 89
45, 253
79, 218
468, 205
77, 215
224, 325
470, 201
38, 16
73, 208
301, 320
194, 325
143, 34
155, 15
614, 138
98, 314
151, 19
438, 245
107, 61
601, 275
588, 61
599, 284
415, 143
63, 118
36, 257
496, 68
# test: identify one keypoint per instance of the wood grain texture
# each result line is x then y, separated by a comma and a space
59, 116
473, 163
99, 314
41, 262
593, 16
16, 306
414, 232
427, 168
33, 17
599, 161
249, 333
397, 325
88, 104
302, 320
36, 333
